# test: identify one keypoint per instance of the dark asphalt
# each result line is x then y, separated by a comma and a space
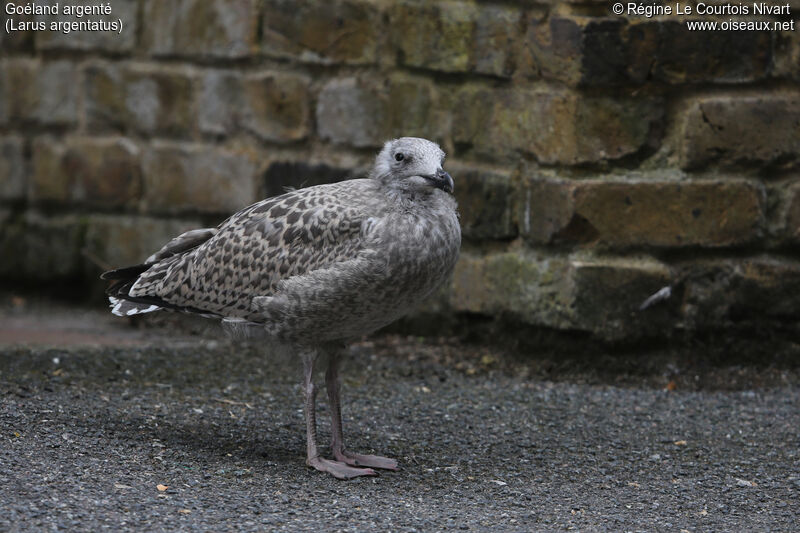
89, 431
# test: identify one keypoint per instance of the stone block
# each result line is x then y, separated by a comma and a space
605, 295
100, 172
39, 92
275, 106
36, 247
599, 51
20, 39
272, 106
144, 99
553, 125
641, 212
103, 41
757, 290
197, 178
431, 35
760, 130
792, 227
13, 171
128, 240
455, 36
484, 202
283, 174
594, 294
529, 287
225, 29
363, 113
787, 55
342, 31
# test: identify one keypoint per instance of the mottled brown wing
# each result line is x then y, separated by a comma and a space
252, 251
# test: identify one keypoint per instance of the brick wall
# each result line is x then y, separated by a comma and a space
596, 158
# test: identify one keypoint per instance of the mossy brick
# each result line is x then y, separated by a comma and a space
272, 106
595, 294
225, 29
102, 172
753, 130
600, 51
485, 202
341, 31
128, 240
39, 92
197, 178
641, 212
529, 287
364, 113
13, 168
138, 98
555, 126
455, 36
103, 41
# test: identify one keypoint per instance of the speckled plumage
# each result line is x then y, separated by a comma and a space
328, 262
315, 267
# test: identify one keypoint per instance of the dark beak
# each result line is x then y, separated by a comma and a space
441, 180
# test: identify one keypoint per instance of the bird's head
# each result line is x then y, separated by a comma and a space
412, 164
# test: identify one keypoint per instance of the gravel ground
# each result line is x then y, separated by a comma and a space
96, 415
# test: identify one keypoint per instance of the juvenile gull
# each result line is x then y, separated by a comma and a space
315, 268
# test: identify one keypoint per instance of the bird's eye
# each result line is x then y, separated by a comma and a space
399, 156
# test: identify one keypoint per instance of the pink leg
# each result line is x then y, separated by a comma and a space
337, 439
337, 468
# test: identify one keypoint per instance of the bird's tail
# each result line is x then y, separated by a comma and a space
121, 303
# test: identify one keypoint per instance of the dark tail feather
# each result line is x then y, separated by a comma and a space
128, 273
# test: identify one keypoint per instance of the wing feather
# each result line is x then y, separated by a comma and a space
254, 250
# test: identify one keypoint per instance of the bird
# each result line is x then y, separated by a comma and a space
314, 269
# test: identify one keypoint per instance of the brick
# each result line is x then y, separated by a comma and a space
365, 114
129, 240
787, 55
455, 36
94, 171
36, 247
605, 295
18, 40
594, 294
205, 28
342, 31
598, 51
528, 287
13, 172
709, 213
275, 107
282, 174
792, 228
753, 291
38, 92
197, 178
555, 126
484, 202
139, 98
272, 106
762, 129
104, 41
